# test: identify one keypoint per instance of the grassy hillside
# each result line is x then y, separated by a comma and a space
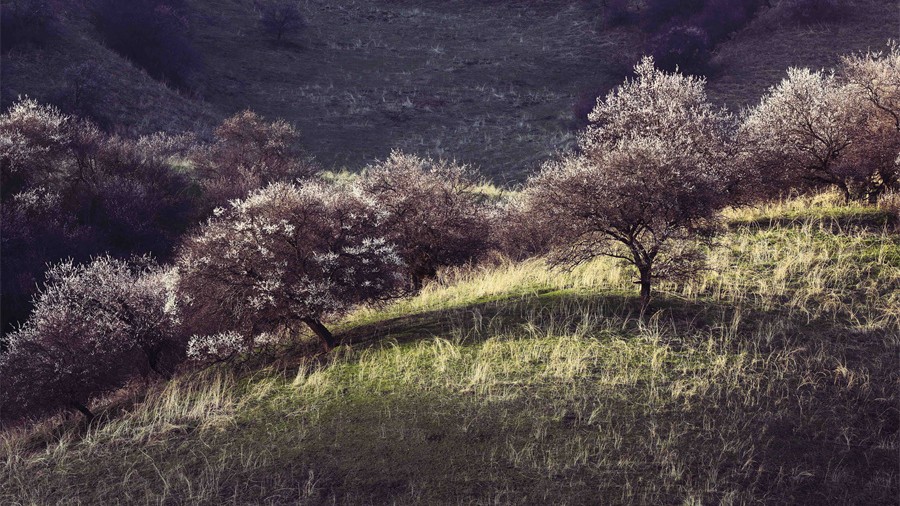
771, 378
490, 83
131, 99
756, 57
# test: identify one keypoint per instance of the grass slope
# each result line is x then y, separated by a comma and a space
772, 378
757, 57
131, 99
486, 82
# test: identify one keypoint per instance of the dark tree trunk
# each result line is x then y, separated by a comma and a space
322, 332
646, 283
417, 282
84, 410
153, 362
846, 191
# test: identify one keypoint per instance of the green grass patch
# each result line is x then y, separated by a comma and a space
770, 378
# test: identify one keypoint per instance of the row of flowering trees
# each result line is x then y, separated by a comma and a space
279, 247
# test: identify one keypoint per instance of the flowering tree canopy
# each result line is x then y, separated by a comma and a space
286, 255
70, 190
651, 172
826, 128
875, 78
93, 327
249, 153
432, 213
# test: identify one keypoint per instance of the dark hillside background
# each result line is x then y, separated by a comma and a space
490, 83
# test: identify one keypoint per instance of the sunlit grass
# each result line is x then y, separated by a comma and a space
770, 378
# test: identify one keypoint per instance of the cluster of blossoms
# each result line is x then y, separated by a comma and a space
94, 327
287, 254
831, 128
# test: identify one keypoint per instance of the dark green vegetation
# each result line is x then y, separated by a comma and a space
492, 83
771, 378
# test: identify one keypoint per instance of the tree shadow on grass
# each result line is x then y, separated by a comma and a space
840, 222
565, 311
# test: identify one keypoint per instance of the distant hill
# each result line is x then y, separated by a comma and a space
489, 83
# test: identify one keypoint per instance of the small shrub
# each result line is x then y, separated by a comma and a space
890, 203
24, 22
216, 347
280, 18
151, 33
519, 231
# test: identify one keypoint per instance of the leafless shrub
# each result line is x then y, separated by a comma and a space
280, 17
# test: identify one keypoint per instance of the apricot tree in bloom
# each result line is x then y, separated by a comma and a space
431, 212
69, 190
875, 78
286, 255
831, 129
649, 178
93, 327
249, 153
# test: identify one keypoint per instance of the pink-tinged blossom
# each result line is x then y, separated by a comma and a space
652, 172
94, 327
286, 255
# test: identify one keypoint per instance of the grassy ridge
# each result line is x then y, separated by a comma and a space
771, 378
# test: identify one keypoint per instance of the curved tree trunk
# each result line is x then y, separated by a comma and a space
322, 332
84, 410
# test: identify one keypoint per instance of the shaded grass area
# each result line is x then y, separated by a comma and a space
772, 378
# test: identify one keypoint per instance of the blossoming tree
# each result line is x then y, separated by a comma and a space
286, 255
649, 175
